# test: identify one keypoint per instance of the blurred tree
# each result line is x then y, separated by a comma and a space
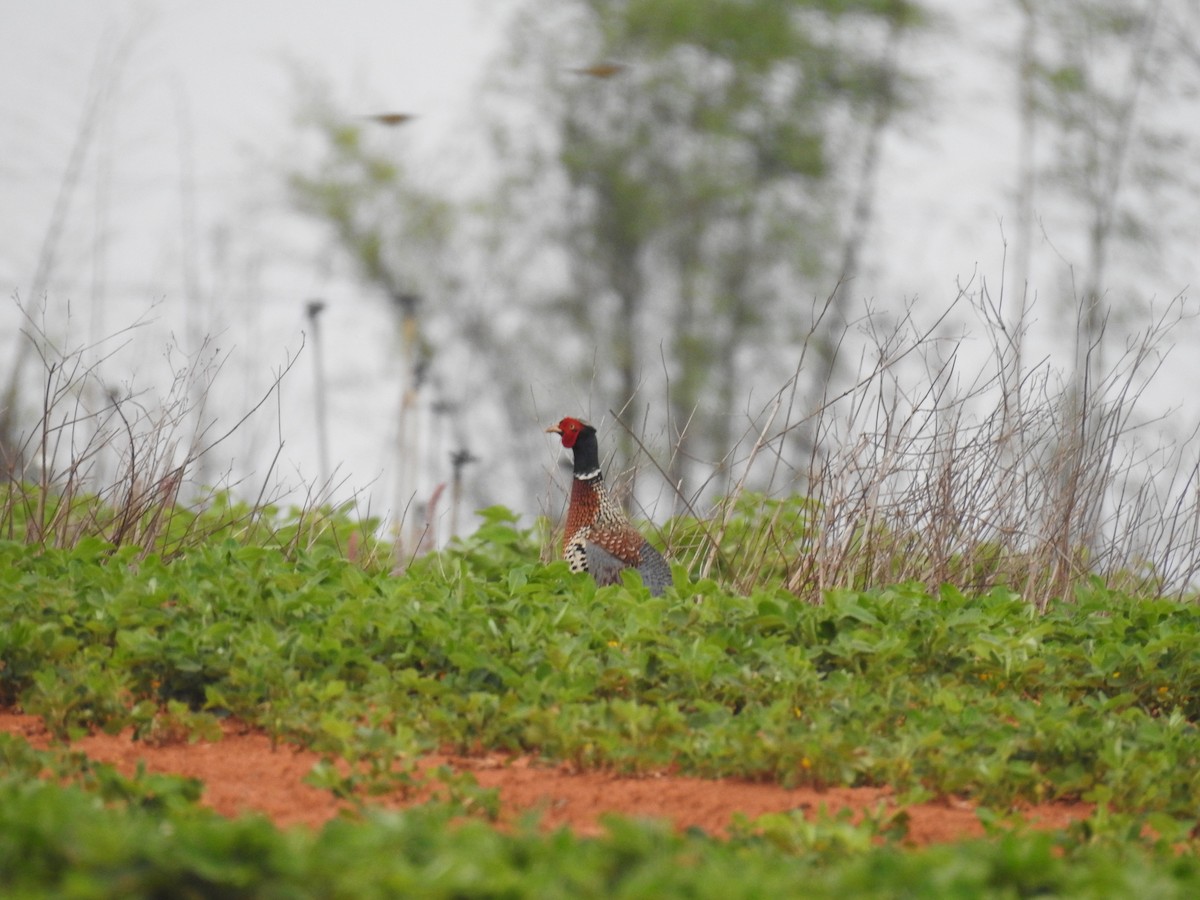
1095, 77
717, 161
1103, 157
104, 85
396, 235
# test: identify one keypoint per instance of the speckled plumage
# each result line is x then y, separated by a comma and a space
598, 538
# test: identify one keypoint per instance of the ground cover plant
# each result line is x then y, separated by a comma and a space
482, 647
479, 648
145, 840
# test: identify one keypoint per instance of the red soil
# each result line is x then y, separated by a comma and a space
243, 773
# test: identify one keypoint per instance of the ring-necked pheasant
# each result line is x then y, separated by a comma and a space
598, 538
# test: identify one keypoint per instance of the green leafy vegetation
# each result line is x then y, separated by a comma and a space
148, 838
481, 647
76, 847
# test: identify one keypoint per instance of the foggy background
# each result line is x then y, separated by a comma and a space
165, 216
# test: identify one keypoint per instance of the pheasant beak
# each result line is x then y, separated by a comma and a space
553, 429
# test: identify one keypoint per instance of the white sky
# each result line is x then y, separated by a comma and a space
216, 74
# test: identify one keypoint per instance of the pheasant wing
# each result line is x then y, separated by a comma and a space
603, 566
656, 574
608, 553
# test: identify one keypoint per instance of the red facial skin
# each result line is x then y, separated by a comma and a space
568, 429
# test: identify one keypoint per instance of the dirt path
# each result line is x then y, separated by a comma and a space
243, 773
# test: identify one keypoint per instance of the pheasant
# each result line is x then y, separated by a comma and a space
598, 538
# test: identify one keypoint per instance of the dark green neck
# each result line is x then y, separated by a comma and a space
587, 454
